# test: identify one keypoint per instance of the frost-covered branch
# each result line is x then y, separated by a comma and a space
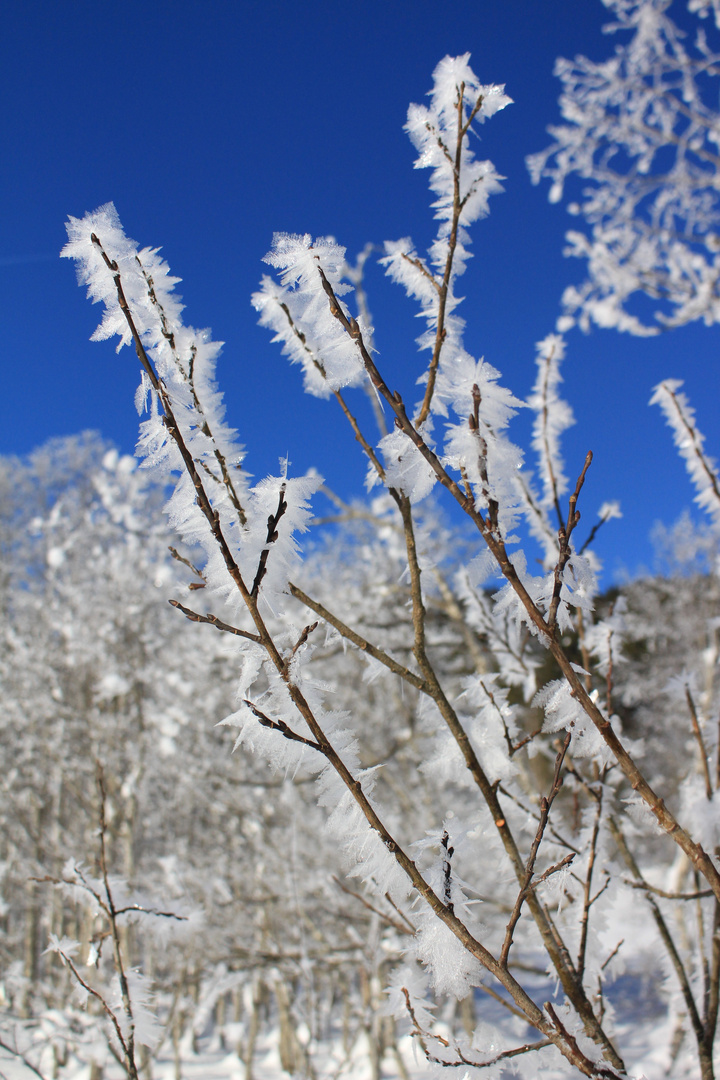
463, 186
477, 668
217, 530
553, 416
357, 639
425, 1037
127, 1006
668, 943
639, 150
527, 884
213, 620
690, 443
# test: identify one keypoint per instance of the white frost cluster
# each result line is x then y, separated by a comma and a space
298, 311
405, 467
641, 134
451, 968
184, 360
146, 1027
553, 416
604, 640
578, 589
517, 666
704, 7
564, 713
483, 454
463, 384
433, 131
410, 978
690, 441
491, 725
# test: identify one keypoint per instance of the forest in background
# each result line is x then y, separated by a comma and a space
276, 940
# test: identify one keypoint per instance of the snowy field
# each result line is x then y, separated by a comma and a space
212, 1061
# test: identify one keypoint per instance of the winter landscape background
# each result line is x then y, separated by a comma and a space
470, 823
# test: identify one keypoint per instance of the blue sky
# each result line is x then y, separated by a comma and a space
211, 125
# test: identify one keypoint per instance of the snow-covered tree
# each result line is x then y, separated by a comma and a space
639, 151
227, 892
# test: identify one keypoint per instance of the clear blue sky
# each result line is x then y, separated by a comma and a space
213, 124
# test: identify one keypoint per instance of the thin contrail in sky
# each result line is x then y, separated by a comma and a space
20, 260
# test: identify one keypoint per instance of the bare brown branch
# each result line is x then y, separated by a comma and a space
525, 888
212, 620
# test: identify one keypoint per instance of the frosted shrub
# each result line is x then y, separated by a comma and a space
515, 852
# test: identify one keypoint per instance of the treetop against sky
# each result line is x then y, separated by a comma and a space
212, 127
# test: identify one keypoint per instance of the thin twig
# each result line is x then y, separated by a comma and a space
126, 1046
304, 635
400, 927
613, 954
281, 726
525, 890
356, 274
646, 887
189, 377
422, 1037
320, 368
591, 1067
401, 913
21, 1057
592, 534
129, 1043
663, 930
444, 288
564, 536
272, 534
213, 620
357, 639
701, 743
186, 562
587, 885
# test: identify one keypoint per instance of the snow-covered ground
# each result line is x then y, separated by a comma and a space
213, 1061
